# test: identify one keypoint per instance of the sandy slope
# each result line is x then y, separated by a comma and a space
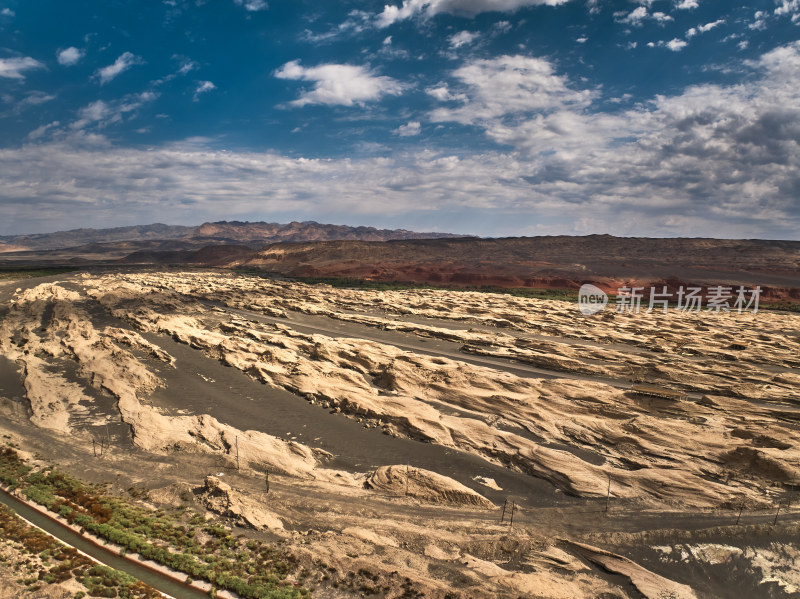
704, 455
721, 451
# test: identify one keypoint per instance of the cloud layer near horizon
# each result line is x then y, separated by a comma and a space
721, 158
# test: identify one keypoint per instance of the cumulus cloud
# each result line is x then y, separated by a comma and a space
341, 84
252, 5
789, 7
467, 8
463, 38
704, 28
442, 93
731, 152
13, 68
759, 21
7, 12
686, 4
122, 64
203, 87
69, 56
676, 45
409, 129
639, 15
505, 85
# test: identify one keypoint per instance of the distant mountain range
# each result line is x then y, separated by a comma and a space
559, 262
164, 237
310, 249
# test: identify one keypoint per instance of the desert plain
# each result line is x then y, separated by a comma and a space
424, 442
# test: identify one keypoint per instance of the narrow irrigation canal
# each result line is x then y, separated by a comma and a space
157, 580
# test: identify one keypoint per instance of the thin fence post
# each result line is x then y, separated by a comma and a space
511, 521
741, 509
266, 479
778, 511
503, 515
94, 448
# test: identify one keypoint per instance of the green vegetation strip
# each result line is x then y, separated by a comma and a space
199, 548
28, 273
367, 284
49, 562
569, 295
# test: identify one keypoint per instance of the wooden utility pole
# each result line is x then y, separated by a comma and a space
503, 515
266, 480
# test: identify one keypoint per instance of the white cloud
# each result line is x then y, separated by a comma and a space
82, 186
34, 98
789, 7
704, 28
7, 12
341, 84
686, 4
506, 85
639, 14
442, 93
463, 38
712, 151
122, 64
187, 66
203, 87
676, 45
12, 68
410, 129
69, 56
41, 131
356, 22
636, 16
252, 5
467, 8
760, 21
101, 114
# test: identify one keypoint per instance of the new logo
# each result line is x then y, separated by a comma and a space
591, 299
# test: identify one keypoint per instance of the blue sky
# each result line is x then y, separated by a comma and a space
490, 117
